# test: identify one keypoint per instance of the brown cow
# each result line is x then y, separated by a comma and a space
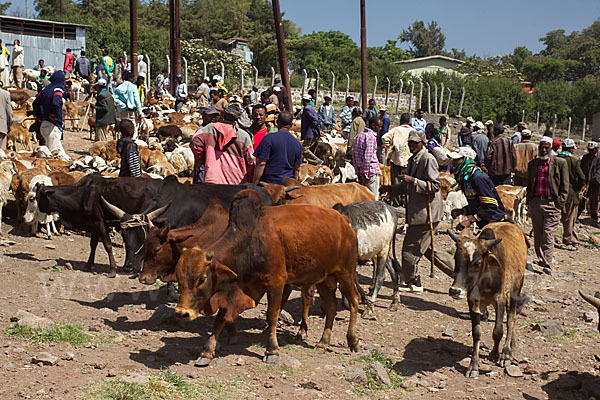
148, 157
19, 132
489, 270
320, 195
107, 150
262, 250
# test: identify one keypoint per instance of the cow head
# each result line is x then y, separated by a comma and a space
134, 230
158, 256
593, 301
470, 259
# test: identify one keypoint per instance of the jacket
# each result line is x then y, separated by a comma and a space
559, 179
576, 177
142, 67
6, 113
50, 101
68, 62
594, 171
483, 200
326, 118
424, 167
525, 151
105, 109
358, 125
307, 129
127, 97
130, 157
83, 66
18, 57
501, 158
397, 140
108, 65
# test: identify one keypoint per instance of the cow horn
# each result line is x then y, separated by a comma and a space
158, 212
453, 235
261, 184
492, 242
592, 300
116, 211
290, 188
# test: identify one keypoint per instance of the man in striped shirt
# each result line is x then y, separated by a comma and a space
364, 156
126, 147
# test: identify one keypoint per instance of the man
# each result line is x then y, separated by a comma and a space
309, 131
5, 51
273, 97
259, 127
216, 101
547, 193
18, 63
517, 136
281, 93
142, 67
210, 115
484, 204
593, 176
47, 107
128, 101
556, 145
313, 97
42, 81
83, 68
396, 143
159, 83
346, 116
254, 95
128, 150
105, 110
279, 154
526, 151
181, 93
372, 111
326, 115
202, 92
418, 122
68, 65
272, 110
385, 127
500, 159
141, 85
480, 144
4, 71
576, 183
489, 124
422, 186
245, 119
6, 116
364, 156
445, 132
223, 152
358, 125
108, 65
40, 65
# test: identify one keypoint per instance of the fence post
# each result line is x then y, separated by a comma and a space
241, 78
149, 77
317, 87
387, 91
185, 66
583, 132
222, 70
168, 64
203, 68
569, 129
523, 117
554, 126
537, 122
399, 95
462, 99
412, 89
428, 97
440, 111
448, 101
420, 94
272, 76
375, 88
347, 86
435, 97
303, 82
332, 84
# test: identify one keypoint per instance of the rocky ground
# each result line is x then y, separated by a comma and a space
116, 338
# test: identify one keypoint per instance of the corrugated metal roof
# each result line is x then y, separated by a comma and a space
41, 20
430, 58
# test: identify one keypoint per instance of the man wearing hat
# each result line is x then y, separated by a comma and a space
209, 115
576, 183
309, 131
516, 137
480, 144
465, 135
489, 125
590, 164
547, 194
484, 204
105, 110
222, 151
181, 93
326, 115
526, 151
422, 187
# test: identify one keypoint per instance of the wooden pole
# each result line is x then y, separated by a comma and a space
569, 130
583, 131
175, 44
523, 116
363, 54
537, 122
283, 64
554, 126
134, 36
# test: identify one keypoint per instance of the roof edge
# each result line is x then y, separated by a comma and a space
429, 58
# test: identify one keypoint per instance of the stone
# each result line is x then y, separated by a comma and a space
286, 318
590, 316
134, 377
32, 321
356, 375
379, 372
530, 370
240, 361
423, 383
514, 371
68, 356
8, 366
111, 373
591, 387
448, 332
218, 362
44, 358
162, 314
550, 328
595, 240
50, 246
95, 328
288, 361
370, 347
268, 385
108, 311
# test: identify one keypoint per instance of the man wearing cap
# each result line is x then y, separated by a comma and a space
253, 95
418, 122
489, 125
480, 144
500, 159
547, 194
592, 165
105, 110
526, 151
556, 145
209, 115
484, 204
364, 156
576, 183
516, 137
309, 131
222, 151
346, 116
385, 127
326, 115
396, 143
181, 93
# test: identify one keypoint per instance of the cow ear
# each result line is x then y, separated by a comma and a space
221, 272
490, 244
161, 222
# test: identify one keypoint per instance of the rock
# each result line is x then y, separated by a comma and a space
448, 332
162, 314
530, 370
379, 372
218, 362
423, 383
240, 362
356, 375
95, 328
288, 361
591, 387
32, 321
111, 373
69, 266
595, 240
134, 377
286, 318
44, 358
514, 371
590, 316
550, 328
50, 246
268, 384
8, 366
106, 310
68, 356
370, 347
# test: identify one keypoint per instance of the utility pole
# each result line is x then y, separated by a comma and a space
283, 65
27, 8
134, 36
363, 54
175, 44
61, 8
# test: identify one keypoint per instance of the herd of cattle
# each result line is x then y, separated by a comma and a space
228, 245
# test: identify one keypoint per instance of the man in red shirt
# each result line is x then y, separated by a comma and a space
259, 127
68, 67
547, 193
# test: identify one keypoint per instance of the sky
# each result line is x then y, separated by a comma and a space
480, 27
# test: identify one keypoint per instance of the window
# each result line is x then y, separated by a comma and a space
8, 26
33, 29
70, 33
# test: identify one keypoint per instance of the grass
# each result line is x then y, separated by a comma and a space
374, 384
158, 284
532, 321
165, 384
451, 251
61, 333
569, 335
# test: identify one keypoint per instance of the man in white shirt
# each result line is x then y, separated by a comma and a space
396, 142
18, 63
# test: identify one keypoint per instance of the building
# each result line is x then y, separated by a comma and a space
47, 40
418, 66
237, 45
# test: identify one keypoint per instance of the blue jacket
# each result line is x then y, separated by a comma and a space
50, 100
326, 118
484, 203
385, 128
307, 129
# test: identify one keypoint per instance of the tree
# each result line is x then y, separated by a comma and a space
425, 40
4, 6
519, 55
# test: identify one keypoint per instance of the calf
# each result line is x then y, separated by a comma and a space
33, 216
315, 174
320, 195
19, 132
513, 198
489, 270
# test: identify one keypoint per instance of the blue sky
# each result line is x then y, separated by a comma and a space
481, 27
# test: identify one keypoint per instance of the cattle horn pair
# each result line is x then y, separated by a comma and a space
116, 211
592, 300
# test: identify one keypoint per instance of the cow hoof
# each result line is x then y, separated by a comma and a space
271, 358
111, 274
393, 307
368, 314
472, 373
321, 348
354, 347
302, 335
505, 362
202, 361
494, 356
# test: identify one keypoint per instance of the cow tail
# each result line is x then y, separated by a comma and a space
361, 292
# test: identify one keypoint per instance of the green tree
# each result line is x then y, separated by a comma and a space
519, 56
552, 98
425, 40
4, 6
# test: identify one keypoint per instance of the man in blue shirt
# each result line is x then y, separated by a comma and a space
326, 115
127, 99
309, 131
279, 154
385, 127
346, 116
418, 122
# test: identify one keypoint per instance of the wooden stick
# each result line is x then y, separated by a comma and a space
430, 218
87, 110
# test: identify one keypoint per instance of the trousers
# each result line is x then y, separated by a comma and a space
568, 219
545, 217
372, 184
52, 134
417, 243
308, 146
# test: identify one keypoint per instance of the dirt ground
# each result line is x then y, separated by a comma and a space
426, 344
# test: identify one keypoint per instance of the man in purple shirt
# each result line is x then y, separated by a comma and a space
309, 131
364, 156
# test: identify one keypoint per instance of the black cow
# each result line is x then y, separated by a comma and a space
180, 205
79, 206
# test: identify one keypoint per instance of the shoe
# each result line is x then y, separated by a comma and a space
414, 286
529, 267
